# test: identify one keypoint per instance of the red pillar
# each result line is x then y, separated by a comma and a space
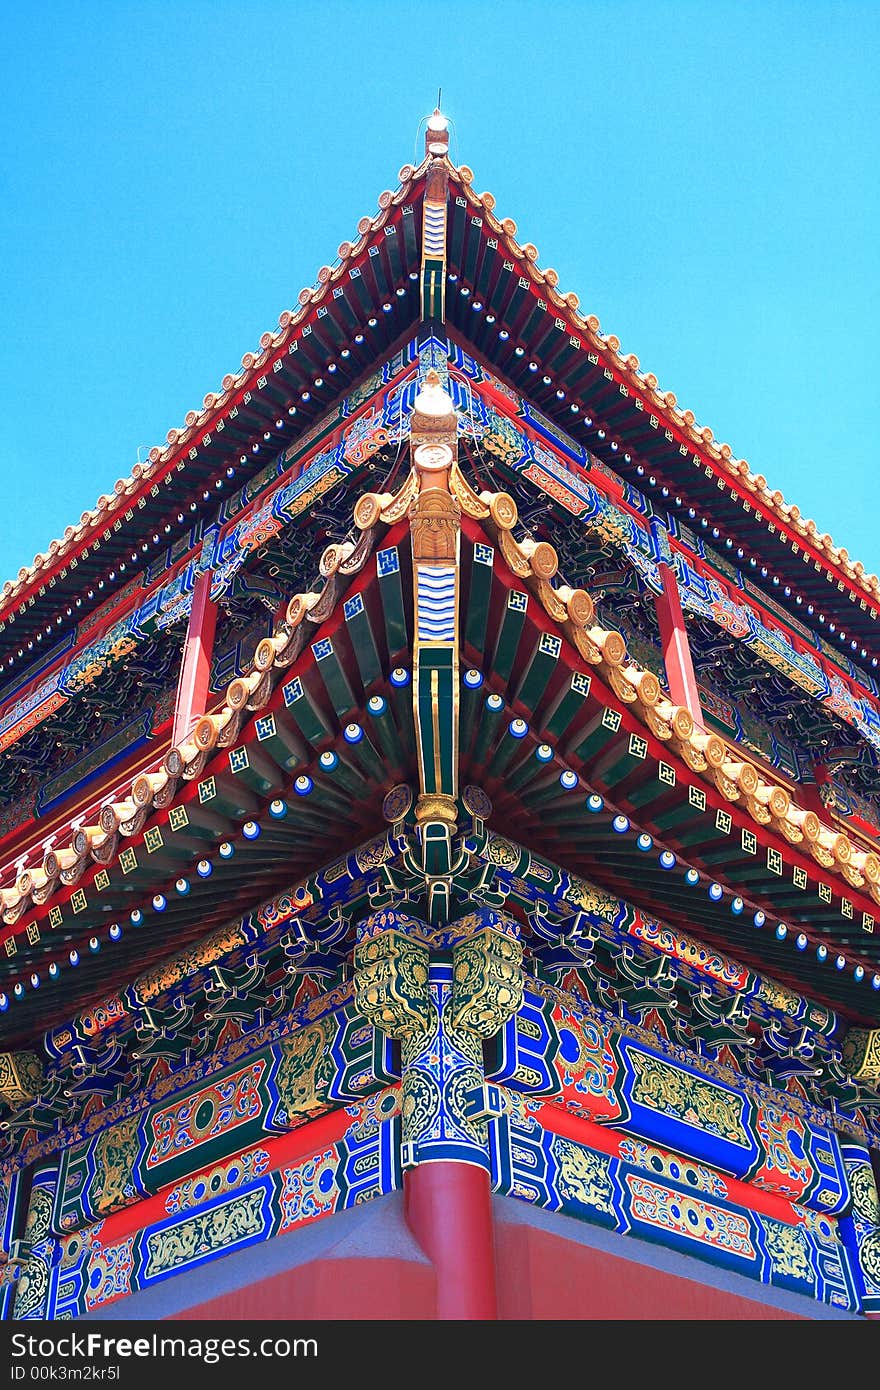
195, 669
809, 795
676, 649
449, 1211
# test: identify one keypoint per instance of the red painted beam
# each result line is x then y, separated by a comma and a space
195, 670
449, 1211
676, 648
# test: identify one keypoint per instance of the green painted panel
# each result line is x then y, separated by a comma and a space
280, 742
477, 607
538, 671
360, 634
509, 634
304, 711
391, 594
335, 680
384, 728
600, 731
488, 728
227, 796
436, 717
253, 769
567, 705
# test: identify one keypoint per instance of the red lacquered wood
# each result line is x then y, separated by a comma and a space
195, 670
676, 648
449, 1211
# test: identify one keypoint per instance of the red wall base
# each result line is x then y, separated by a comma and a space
544, 1276
357, 1289
541, 1275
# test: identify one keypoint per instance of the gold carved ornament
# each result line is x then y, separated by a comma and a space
861, 1054
391, 983
305, 1068
435, 520
21, 1075
487, 982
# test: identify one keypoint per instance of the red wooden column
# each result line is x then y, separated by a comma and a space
676, 649
195, 669
449, 1211
809, 795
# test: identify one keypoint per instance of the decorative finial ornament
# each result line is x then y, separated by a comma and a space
435, 528
437, 134
434, 217
432, 397
433, 417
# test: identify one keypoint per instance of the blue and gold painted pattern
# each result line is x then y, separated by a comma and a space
628, 1186
442, 1069
676, 1151
305, 910
860, 1227
644, 1192
580, 909
101, 1264
327, 1061
9, 1185
98, 760
37, 1271
620, 1075
31, 710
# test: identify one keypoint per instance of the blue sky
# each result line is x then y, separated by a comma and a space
703, 175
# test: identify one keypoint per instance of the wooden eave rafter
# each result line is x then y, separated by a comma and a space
631, 694
239, 758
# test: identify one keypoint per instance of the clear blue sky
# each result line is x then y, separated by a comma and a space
703, 175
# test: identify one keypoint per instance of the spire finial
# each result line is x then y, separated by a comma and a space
437, 132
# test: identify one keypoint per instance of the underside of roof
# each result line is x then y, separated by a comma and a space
572, 766
578, 749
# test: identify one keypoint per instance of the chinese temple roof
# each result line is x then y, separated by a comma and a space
595, 355
129, 849
234, 764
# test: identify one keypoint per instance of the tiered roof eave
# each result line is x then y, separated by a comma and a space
701, 437
85, 848
626, 367
127, 490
